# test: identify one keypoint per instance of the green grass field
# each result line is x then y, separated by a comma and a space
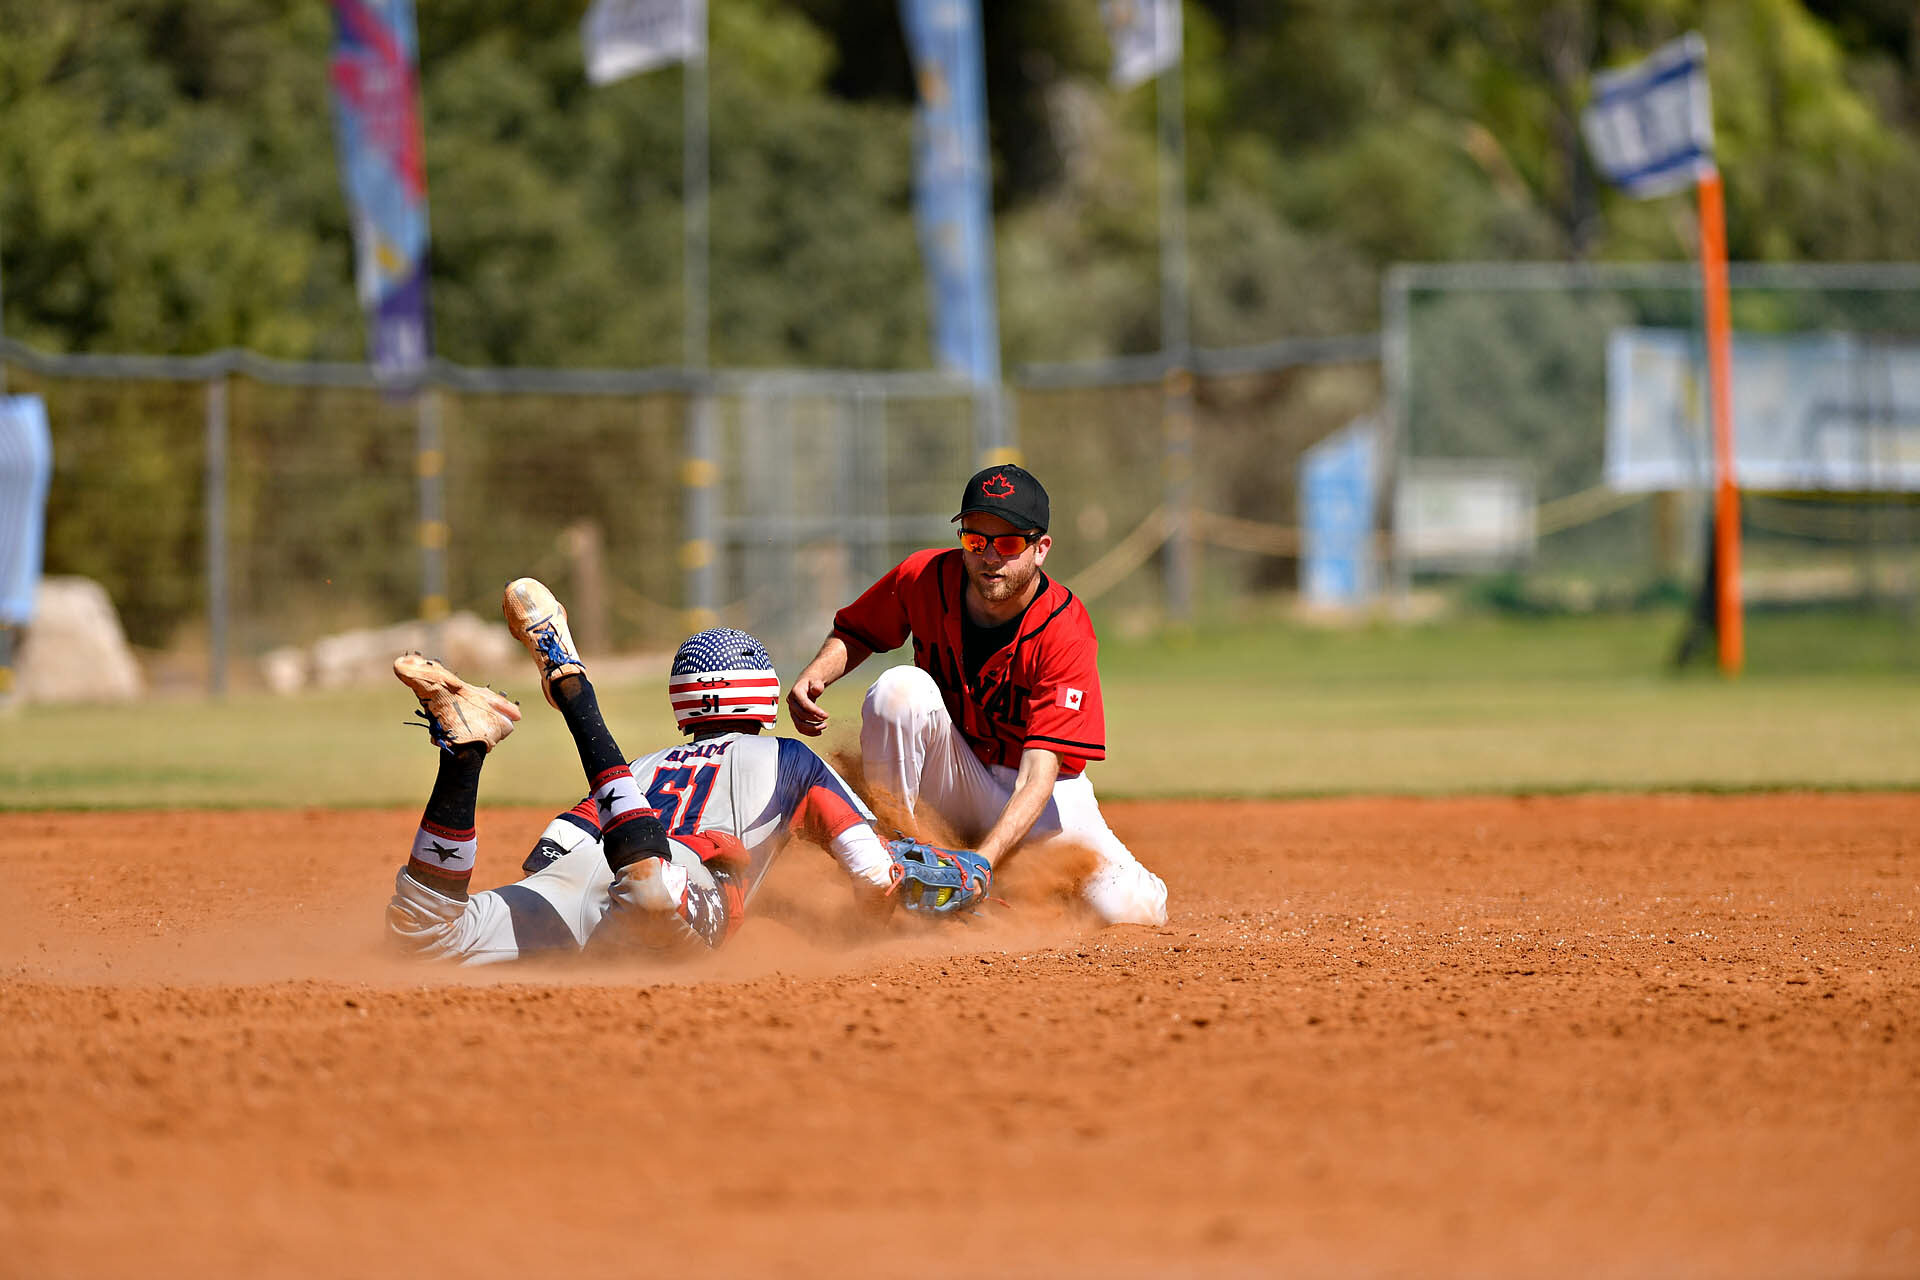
1477, 705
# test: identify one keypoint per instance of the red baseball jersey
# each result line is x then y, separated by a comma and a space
1042, 689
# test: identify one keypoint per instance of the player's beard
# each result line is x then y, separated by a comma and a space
1015, 577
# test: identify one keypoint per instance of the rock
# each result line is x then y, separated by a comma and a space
285, 670
76, 649
485, 648
466, 643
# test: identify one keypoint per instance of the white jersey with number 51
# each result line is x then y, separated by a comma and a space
758, 790
761, 790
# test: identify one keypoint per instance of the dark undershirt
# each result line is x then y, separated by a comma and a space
979, 643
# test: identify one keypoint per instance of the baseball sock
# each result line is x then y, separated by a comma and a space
445, 845
630, 827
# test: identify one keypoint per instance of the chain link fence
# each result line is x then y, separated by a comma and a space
1497, 380
233, 505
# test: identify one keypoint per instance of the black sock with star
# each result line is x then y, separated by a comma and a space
445, 846
630, 827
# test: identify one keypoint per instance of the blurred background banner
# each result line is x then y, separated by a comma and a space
26, 466
1650, 125
1339, 480
376, 113
1145, 36
1818, 412
626, 37
953, 185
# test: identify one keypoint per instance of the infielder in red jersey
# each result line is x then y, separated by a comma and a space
995, 723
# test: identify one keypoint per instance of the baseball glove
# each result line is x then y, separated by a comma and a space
938, 882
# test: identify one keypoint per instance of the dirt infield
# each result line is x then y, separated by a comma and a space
1596, 1035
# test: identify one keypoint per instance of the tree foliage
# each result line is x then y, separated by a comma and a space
168, 181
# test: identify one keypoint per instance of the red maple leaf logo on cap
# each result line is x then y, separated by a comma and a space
998, 486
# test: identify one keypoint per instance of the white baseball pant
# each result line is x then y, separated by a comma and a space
910, 748
557, 908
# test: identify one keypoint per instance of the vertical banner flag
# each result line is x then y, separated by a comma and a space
1338, 477
1650, 126
26, 467
952, 184
1146, 38
625, 37
376, 120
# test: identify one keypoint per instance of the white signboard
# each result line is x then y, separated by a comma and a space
1827, 412
1650, 126
1464, 514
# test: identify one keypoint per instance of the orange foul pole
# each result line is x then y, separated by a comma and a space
1726, 498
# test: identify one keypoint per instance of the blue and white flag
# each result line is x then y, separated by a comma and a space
26, 468
625, 37
1650, 126
1146, 38
376, 119
953, 184
1338, 488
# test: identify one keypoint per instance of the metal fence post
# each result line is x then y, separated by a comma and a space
699, 478
216, 480
1176, 344
699, 472
1177, 419
431, 463
1395, 355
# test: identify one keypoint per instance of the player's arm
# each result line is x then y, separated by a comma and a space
1032, 788
875, 623
837, 656
826, 811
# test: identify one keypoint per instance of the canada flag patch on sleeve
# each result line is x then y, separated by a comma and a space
1070, 698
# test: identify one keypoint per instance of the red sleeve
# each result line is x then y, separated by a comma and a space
820, 804
1065, 713
878, 620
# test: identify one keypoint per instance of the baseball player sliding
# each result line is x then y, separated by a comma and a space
666, 852
994, 724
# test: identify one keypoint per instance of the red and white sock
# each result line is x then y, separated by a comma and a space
446, 852
619, 798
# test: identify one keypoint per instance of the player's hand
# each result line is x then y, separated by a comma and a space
932, 881
807, 715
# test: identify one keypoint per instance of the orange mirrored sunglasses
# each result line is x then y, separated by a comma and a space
1006, 546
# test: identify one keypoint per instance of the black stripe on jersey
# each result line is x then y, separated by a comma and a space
1068, 742
536, 925
1045, 583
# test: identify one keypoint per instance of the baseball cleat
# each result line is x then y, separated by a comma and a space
539, 621
456, 712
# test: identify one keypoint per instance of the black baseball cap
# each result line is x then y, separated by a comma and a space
1008, 492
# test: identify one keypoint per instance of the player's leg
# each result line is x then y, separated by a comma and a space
561, 899
910, 747
692, 900
630, 828
430, 912
1121, 890
913, 753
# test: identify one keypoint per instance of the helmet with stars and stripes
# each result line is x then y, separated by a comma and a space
722, 674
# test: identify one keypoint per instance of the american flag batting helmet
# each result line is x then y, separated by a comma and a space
722, 674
